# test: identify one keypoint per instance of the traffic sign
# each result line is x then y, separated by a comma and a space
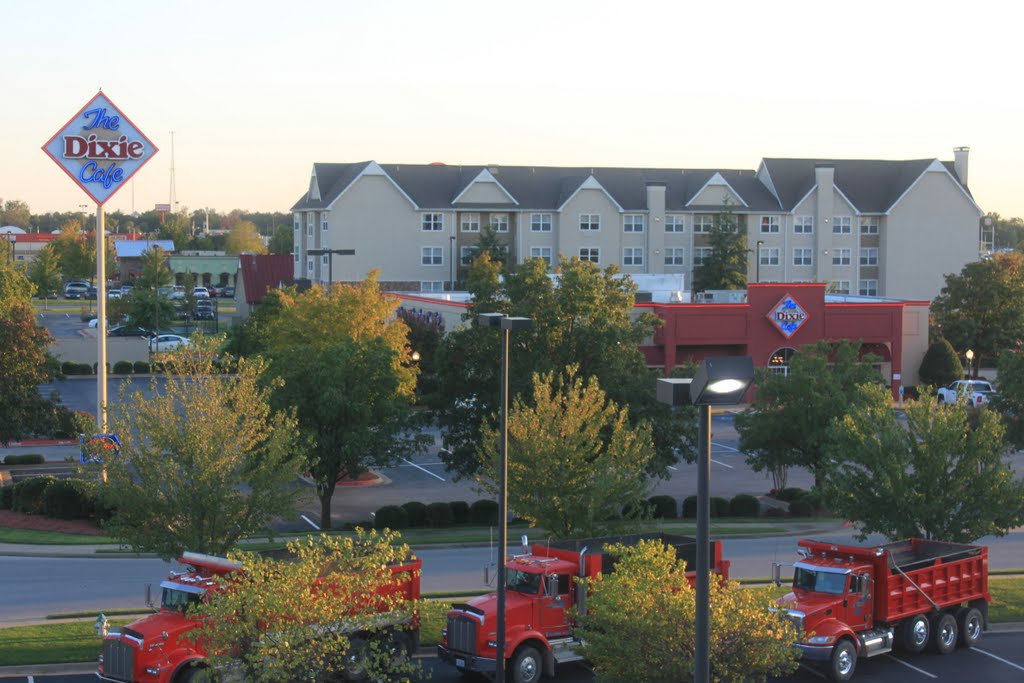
100, 148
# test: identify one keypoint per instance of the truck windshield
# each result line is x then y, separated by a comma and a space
178, 600
819, 582
522, 582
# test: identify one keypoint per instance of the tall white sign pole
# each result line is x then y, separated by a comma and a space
101, 325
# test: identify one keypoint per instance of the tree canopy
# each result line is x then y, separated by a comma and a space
1009, 400
204, 459
726, 267
44, 273
584, 318
640, 621
940, 365
244, 237
346, 368
938, 477
575, 463
982, 307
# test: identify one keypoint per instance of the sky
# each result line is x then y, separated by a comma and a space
257, 92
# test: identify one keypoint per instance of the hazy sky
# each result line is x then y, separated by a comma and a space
256, 92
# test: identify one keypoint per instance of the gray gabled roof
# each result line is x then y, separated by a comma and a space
872, 185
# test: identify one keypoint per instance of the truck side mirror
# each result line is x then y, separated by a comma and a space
551, 587
865, 586
149, 595
776, 573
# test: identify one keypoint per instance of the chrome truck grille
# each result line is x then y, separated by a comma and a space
118, 660
797, 619
462, 634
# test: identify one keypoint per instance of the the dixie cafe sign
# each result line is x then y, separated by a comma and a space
100, 148
787, 316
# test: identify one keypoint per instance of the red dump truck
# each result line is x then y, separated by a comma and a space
540, 592
151, 650
853, 601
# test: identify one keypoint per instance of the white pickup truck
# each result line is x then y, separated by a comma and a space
977, 392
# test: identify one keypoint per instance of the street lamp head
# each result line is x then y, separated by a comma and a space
969, 354
722, 381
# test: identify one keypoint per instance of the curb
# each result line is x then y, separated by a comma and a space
28, 443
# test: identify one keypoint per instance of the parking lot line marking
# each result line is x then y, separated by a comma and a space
1015, 666
813, 671
673, 468
722, 464
310, 522
425, 470
911, 666
730, 448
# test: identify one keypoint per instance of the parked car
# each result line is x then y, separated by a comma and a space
90, 293
227, 292
978, 392
76, 290
114, 294
177, 293
75, 284
201, 292
94, 323
205, 311
126, 331
167, 342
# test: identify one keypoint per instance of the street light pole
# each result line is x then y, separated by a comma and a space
757, 261
451, 255
507, 326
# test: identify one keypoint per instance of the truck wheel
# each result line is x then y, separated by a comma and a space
944, 633
527, 665
915, 634
971, 624
844, 661
399, 649
197, 674
355, 659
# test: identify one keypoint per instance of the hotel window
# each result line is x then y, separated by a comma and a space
869, 256
323, 221
869, 226
432, 286
841, 225
324, 260
309, 265
297, 222
296, 257
432, 222
841, 286
769, 256
467, 254
540, 222
803, 225
310, 222
633, 256
590, 221
633, 222
499, 221
675, 256
769, 224
840, 257
432, 256
470, 222
701, 255
541, 252
675, 223
703, 222
802, 256
869, 287
592, 254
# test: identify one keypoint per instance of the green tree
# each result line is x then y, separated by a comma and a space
15, 212
787, 425
591, 461
640, 620
940, 365
492, 243
726, 267
44, 273
316, 616
147, 307
936, 477
176, 227
25, 362
156, 269
204, 460
349, 339
244, 238
584, 318
982, 308
247, 338
76, 254
283, 240
1009, 400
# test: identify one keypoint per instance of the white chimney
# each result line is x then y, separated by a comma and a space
960, 163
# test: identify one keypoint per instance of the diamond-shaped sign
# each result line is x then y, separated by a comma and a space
100, 148
788, 316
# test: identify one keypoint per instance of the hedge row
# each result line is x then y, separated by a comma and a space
742, 505
121, 367
25, 459
415, 514
59, 498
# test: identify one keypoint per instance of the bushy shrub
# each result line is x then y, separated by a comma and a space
25, 459
6, 497
774, 512
663, 507
417, 512
460, 511
719, 506
789, 494
391, 517
70, 499
439, 514
95, 368
69, 368
815, 499
940, 365
123, 367
28, 494
801, 507
483, 513
690, 506
744, 505
84, 369
140, 367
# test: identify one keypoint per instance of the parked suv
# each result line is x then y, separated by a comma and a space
75, 289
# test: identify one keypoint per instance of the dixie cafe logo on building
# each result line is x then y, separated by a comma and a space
787, 316
100, 148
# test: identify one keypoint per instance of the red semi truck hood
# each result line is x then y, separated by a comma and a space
153, 627
518, 609
814, 606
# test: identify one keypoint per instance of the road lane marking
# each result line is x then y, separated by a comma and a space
911, 666
424, 470
310, 522
1015, 666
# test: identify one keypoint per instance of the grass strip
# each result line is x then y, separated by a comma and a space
32, 537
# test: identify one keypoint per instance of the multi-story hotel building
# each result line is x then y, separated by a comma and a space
867, 227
